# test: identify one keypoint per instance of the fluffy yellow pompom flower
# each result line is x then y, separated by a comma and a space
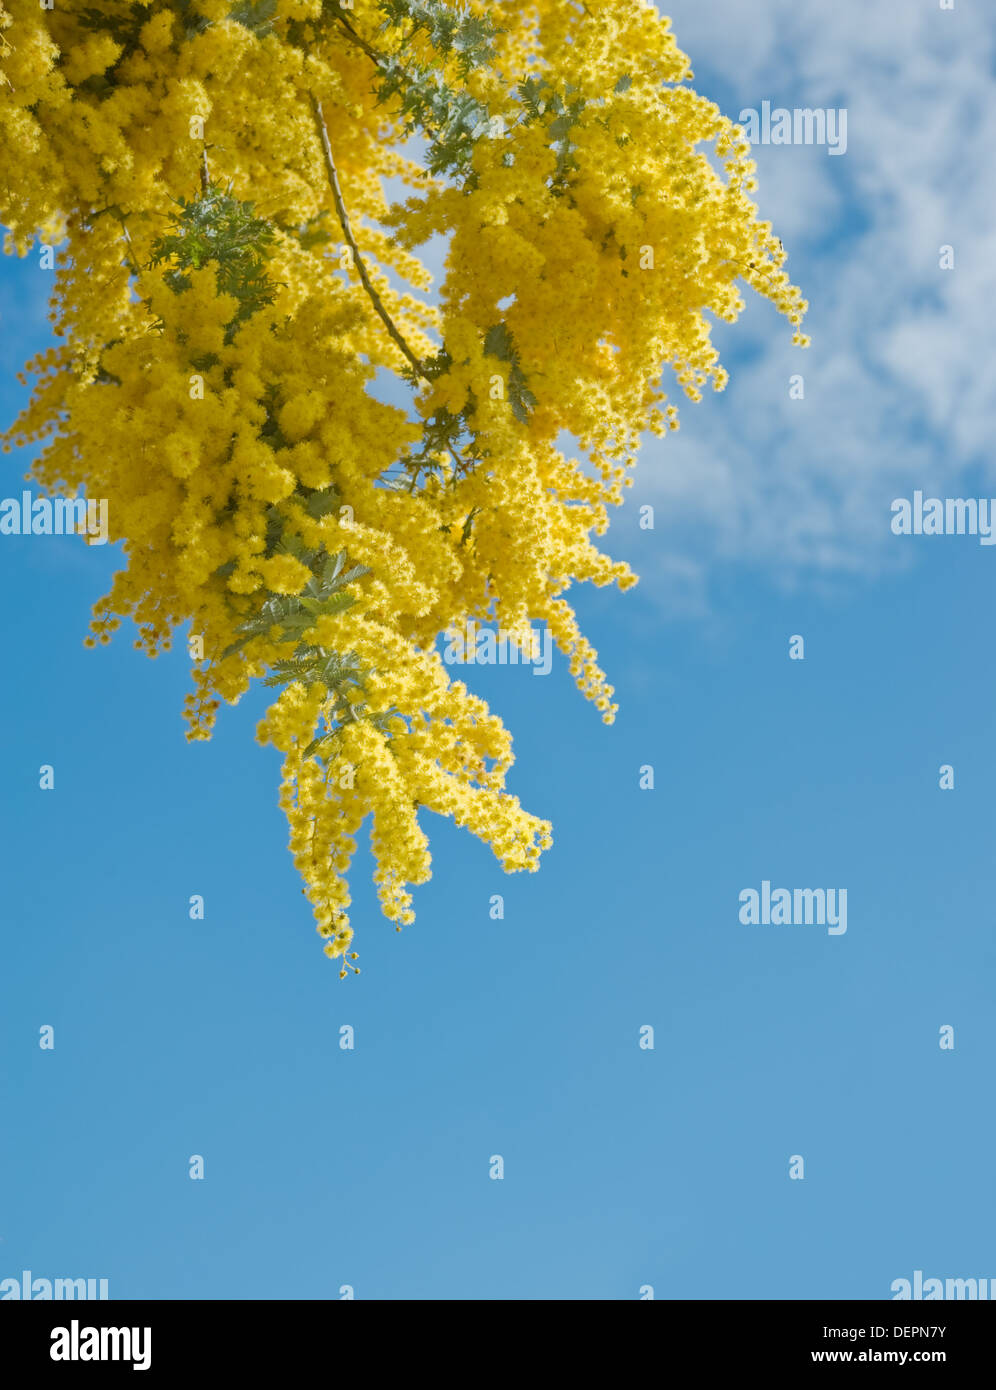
233, 291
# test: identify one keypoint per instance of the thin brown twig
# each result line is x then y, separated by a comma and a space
131, 247
347, 231
360, 42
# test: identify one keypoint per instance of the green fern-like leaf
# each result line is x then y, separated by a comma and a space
218, 229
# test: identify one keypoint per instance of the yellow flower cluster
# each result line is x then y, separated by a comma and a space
590, 230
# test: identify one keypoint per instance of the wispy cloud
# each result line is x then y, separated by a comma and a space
899, 390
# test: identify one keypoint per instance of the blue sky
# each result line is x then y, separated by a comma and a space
624, 1167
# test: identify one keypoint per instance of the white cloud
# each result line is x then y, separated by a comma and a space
899, 391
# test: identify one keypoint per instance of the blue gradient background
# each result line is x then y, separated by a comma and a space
475, 1037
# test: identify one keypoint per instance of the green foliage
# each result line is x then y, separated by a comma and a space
498, 342
295, 615
317, 231
324, 745
542, 102
452, 432
451, 29
124, 22
451, 120
216, 228
255, 15
443, 432
340, 675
